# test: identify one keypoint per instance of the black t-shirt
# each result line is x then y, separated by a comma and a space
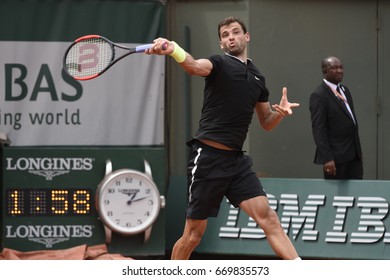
231, 92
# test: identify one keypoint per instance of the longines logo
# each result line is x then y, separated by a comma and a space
48, 167
49, 234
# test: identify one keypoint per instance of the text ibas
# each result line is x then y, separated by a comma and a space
17, 88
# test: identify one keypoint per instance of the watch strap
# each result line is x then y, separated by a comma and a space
148, 169
147, 232
108, 167
108, 234
146, 235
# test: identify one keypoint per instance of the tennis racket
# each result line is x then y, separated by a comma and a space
90, 56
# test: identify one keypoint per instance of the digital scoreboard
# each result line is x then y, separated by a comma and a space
48, 198
48, 202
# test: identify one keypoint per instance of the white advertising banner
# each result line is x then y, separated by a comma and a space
42, 106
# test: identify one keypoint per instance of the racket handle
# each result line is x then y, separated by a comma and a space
142, 48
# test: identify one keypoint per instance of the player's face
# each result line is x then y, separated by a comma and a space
233, 39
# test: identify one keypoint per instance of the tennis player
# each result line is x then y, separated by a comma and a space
218, 167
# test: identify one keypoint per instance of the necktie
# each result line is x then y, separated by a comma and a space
344, 100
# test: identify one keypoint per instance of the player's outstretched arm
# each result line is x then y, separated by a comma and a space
198, 67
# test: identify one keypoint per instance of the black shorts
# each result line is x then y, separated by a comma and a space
214, 173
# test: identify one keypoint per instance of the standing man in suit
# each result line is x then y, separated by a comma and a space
335, 126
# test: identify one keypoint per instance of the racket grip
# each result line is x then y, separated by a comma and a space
142, 48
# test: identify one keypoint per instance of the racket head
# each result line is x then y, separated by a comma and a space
88, 57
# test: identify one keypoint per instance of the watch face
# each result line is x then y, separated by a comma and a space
128, 201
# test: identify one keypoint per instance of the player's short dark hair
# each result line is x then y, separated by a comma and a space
229, 20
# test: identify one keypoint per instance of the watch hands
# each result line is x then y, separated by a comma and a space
132, 196
133, 199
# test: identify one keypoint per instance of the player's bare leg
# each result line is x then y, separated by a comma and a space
259, 209
192, 235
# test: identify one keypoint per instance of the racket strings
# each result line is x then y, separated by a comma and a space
89, 57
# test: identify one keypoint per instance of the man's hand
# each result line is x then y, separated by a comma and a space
285, 108
161, 46
330, 168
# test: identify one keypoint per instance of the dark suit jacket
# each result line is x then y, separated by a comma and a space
335, 134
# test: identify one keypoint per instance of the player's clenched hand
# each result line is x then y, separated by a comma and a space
161, 46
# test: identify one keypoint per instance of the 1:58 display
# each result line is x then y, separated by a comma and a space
48, 202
